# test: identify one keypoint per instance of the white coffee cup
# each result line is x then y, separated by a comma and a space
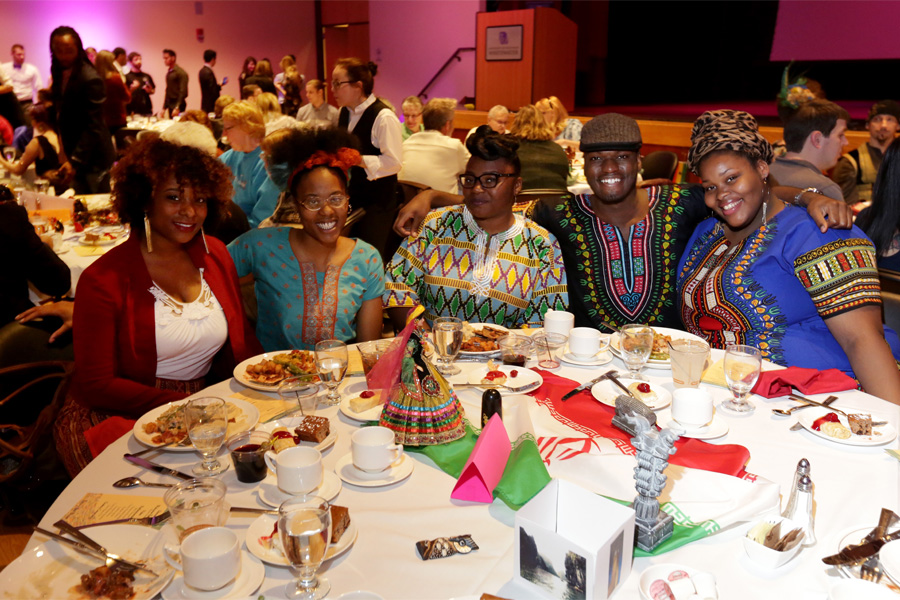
210, 558
298, 470
584, 342
692, 408
558, 321
373, 449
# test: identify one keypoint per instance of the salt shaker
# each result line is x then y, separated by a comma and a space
801, 510
802, 469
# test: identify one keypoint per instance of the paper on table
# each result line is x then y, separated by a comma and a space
354, 364
483, 470
99, 508
91, 250
268, 406
715, 374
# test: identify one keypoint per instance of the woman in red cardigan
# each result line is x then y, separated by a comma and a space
117, 94
159, 317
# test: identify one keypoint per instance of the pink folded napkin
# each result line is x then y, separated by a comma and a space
484, 468
772, 384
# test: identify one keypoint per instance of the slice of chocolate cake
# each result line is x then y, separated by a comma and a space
313, 429
340, 521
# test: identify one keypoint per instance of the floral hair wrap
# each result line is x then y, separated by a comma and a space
733, 130
343, 159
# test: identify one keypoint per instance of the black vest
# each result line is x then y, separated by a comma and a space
363, 192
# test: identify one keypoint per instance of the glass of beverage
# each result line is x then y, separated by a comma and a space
514, 349
206, 420
248, 451
447, 333
636, 343
331, 363
743, 365
298, 391
196, 504
547, 347
370, 352
688, 357
9, 153
305, 526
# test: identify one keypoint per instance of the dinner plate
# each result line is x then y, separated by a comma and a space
889, 555
117, 234
525, 378
240, 373
373, 414
717, 428
264, 525
52, 569
271, 494
606, 393
655, 363
399, 471
888, 559
251, 418
601, 358
477, 327
252, 574
292, 422
880, 435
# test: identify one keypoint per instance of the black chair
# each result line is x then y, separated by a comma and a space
22, 343
890, 298
660, 164
407, 190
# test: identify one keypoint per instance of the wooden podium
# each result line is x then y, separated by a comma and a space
523, 56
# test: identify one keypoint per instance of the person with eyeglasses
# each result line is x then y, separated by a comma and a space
480, 262
313, 283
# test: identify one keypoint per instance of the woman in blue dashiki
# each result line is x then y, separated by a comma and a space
761, 273
480, 262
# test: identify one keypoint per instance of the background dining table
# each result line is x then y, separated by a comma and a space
852, 484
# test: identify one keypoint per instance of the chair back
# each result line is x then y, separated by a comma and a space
890, 298
660, 164
407, 190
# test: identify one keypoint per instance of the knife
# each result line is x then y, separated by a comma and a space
612, 377
855, 554
88, 550
85, 539
142, 462
588, 385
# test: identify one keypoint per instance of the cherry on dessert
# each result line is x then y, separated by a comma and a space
644, 388
514, 373
367, 394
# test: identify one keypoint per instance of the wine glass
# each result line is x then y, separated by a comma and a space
331, 363
9, 153
206, 420
305, 526
447, 340
742, 367
636, 343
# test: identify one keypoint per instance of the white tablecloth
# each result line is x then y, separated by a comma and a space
852, 485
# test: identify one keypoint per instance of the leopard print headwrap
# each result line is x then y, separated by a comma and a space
727, 130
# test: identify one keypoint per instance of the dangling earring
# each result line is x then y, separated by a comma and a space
147, 233
766, 203
203, 237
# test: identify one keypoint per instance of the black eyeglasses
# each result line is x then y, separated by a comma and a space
487, 180
336, 84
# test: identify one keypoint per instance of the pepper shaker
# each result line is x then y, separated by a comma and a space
802, 469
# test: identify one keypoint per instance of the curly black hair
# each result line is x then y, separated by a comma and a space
297, 147
150, 162
489, 145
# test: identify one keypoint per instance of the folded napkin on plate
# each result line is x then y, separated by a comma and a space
772, 384
105, 433
587, 412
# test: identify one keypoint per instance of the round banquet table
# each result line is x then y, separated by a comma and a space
852, 484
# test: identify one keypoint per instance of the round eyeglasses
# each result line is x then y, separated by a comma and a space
316, 203
487, 180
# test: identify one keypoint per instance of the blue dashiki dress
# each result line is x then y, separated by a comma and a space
775, 289
456, 269
297, 305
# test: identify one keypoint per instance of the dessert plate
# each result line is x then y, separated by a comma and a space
399, 471
880, 435
252, 574
291, 422
373, 414
525, 380
606, 392
271, 494
264, 525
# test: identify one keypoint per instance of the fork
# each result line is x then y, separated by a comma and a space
151, 521
870, 570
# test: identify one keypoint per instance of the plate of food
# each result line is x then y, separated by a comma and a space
861, 428
659, 356
307, 430
653, 395
165, 424
521, 379
264, 542
55, 570
265, 371
101, 237
366, 406
481, 338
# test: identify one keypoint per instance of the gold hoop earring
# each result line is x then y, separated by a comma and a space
203, 237
147, 233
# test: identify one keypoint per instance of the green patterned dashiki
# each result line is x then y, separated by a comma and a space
456, 269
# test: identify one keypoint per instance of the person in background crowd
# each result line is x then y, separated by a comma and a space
175, 100
6, 132
566, 131
881, 221
217, 125
91, 53
140, 85
317, 112
117, 95
250, 92
78, 95
10, 109
197, 116
120, 62
497, 119
372, 184
43, 150
209, 86
856, 171
272, 115
412, 116
814, 137
286, 61
292, 84
545, 165
24, 77
263, 77
762, 273
432, 157
246, 70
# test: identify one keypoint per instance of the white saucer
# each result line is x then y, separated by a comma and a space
350, 474
253, 572
601, 358
270, 493
717, 428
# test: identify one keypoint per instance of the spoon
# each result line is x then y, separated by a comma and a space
130, 482
782, 412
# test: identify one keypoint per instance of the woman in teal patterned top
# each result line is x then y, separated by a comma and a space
313, 284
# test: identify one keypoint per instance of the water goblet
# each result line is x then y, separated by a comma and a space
299, 392
743, 365
9, 153
305, 526
206, 420
331, 363
447, 341
636, 343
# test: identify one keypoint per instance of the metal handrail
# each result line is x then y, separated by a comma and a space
456, 55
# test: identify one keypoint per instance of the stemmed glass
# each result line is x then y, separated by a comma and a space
331, 363
636, 343
742, 367
305, 526
9, 153
206, 420
447, 340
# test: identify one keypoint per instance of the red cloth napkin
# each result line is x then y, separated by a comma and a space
772, 384
588, 415
103, 434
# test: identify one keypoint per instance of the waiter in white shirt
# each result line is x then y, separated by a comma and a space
24, 77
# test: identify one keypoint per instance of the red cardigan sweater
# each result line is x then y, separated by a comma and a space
115, 335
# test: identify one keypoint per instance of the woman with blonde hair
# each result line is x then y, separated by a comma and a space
566, 131
117, 95
544, 163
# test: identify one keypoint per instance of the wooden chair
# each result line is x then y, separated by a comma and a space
659, 165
